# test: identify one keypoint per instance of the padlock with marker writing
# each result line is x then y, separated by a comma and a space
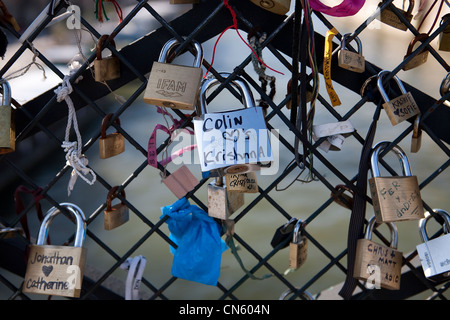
389, 17
377, 264
171, 85
394, 198
353, 61
111, 144
435, 253
400, 108
118, 214
222, 203
242, 182
298, 247
57, 270
108, 68
7, 121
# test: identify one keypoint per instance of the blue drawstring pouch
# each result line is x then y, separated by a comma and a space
199, 246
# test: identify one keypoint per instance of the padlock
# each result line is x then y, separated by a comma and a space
112, 144
309, 95
283, 233
118, 214
416, 140
7, 121
305, 295
394, 198
222, 203
420, 58
444, 36
183, 1
400, 108
242, 182
57, 270
434, 254
388, 16
174, 86
377, 264
298, 247
234, 141
106, 68
353, 61
280, 7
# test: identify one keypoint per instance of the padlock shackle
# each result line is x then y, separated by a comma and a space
105, 121
423, 223
173, 43
52, 213
392, 227
112, 195
417, 131
297, 231
237, 83
100, 45
6, 95
420, 37
381, 88
398, 152
358, 42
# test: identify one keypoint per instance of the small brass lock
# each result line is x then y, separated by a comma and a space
353, 61
416, 140
400, 108
420, 58
298, 247
388, 16
106, 68
57, 270
377, 264
174, 86
394, 198
280, 7
7, 122
444, 36
112, 144
222, 203
118, 214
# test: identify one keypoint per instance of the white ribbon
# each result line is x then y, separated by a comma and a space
135, 267
335, 133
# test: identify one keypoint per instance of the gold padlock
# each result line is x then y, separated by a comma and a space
107, 68
280, 7
378, 265
111, 144
420, 58
400, 108
388, 16
174, 86
298, 247
183, 1
222, 203
57, 270
353, 61
116, 215
394, 198
416, 140
444, 36
242, 182
7, 121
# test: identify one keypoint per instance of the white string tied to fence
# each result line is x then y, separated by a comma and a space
74, 157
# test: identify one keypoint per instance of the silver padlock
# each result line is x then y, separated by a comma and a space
7, 122
221, 202
400, 108
353, 61
435, 253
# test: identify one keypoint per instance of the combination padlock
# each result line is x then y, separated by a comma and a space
57, 270
394, 198
378, 265
108, 68
222, 203
400, 108
444, 36
420, 58
416, 139
174, 86
7, 121
435, 254
242, 182
298, 247
353, 61
280, 7
118, 214
112, 144
389, 17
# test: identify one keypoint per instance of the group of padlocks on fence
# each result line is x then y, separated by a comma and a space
58, 270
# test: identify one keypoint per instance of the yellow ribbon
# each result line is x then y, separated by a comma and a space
327, 67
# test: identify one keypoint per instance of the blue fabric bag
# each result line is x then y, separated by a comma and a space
199, 246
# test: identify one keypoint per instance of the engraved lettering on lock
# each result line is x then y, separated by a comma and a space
171, 88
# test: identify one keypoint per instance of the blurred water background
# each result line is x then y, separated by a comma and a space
382, 45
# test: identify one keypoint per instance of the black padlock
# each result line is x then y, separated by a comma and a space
283, 234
